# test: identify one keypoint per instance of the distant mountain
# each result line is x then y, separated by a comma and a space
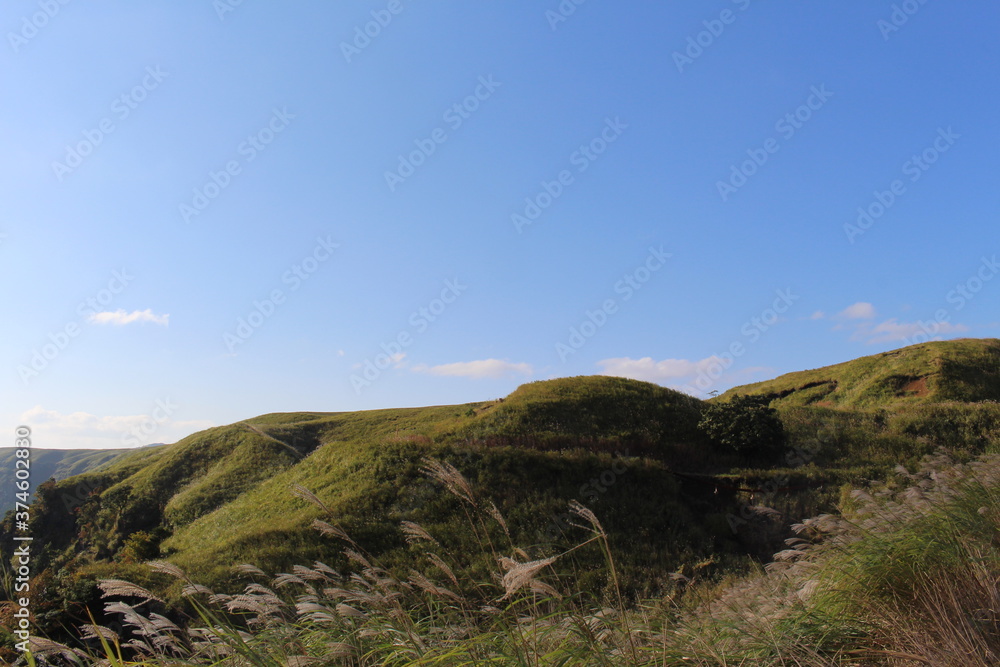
47, 464
964, 370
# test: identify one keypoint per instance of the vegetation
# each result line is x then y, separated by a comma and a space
960, 370
857, 589
638, 416
746, 425
640, 518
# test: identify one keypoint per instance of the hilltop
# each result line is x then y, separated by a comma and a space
965, 370
594, 409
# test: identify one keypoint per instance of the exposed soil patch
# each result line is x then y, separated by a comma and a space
916, 387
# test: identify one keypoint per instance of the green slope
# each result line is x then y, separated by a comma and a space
966, 370
629, 450
223, 496
864, 417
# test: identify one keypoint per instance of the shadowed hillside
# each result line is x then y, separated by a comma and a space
595, 412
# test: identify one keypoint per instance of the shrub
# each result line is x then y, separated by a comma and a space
139, 547
746, 425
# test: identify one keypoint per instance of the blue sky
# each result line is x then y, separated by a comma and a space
214, 210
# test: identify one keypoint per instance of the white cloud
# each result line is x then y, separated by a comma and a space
893, 330
656, 371
484, 368
52, 429
818, 315
859, 319
120, 317
681, 374
862, 310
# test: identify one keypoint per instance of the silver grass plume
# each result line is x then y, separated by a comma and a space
587, 515
450, 477
519, 575
302, 492
112, 587
252, 570
331, 530
164, 567
414, 533
441, 565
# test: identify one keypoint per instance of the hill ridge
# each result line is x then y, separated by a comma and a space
962, 370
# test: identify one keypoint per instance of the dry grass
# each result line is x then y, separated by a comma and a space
907, 575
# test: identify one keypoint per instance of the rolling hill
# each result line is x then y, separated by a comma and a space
630, 451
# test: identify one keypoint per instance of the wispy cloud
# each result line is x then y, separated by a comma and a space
82, 430
656, 371
483, 368
682, 374
892, 330
120, 317
862, 310
860, 319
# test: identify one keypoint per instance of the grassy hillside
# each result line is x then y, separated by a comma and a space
538, 448
592, 407
224, 496
864, 417
905, 577
966, 370
50, 464
629, 451
597, 413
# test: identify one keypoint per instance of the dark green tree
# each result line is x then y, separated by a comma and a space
745, 425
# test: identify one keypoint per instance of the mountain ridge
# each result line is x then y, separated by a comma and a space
47, 464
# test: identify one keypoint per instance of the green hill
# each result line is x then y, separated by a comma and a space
630, 451
864, 417
966, 370
223, 496
570, 410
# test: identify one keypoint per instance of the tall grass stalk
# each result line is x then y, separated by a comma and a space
906, 575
